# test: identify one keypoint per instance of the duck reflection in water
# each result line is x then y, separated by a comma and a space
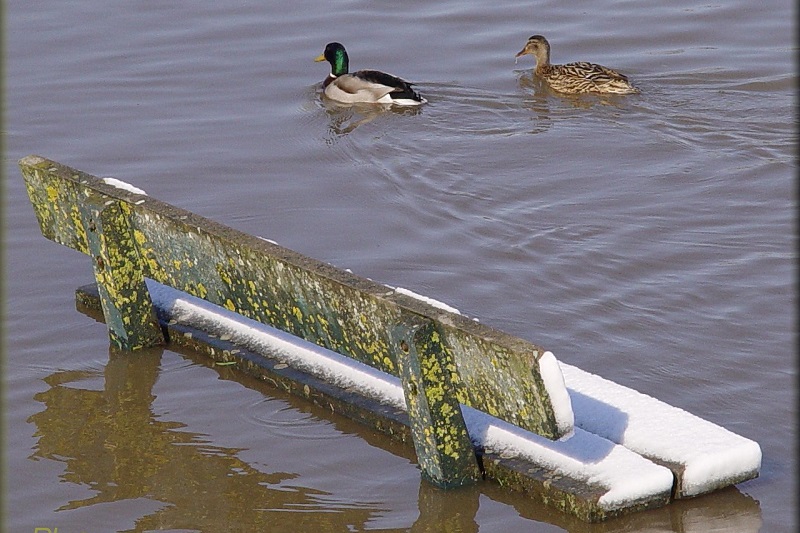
345, 118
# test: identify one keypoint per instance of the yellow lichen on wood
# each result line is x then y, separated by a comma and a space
270, 284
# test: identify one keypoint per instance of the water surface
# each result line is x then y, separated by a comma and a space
649, 239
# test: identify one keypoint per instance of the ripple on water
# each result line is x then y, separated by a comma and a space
648, 239
282, 419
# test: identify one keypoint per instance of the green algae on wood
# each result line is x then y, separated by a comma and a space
130, 316
578, 499
432, 390
307, 298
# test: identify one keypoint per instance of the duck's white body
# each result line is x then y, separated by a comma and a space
364, 86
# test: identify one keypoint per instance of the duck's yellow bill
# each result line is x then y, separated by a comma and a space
319, 58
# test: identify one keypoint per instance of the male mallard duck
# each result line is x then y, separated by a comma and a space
575, 78
369, 86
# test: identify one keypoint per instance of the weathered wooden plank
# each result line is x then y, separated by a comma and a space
432, 390
130, 316
307, 298
577, 498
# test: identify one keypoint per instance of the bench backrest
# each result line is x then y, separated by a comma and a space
263, 281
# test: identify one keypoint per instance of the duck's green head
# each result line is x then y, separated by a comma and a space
337, 57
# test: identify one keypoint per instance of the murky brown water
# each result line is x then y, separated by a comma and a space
648, 239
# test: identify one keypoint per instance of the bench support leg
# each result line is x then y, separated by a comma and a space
430, 382
129, 312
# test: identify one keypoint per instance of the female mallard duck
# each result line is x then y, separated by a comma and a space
369, 86
575, 78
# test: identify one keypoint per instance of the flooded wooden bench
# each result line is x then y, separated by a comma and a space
467, 392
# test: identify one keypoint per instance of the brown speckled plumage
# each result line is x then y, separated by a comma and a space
575, 78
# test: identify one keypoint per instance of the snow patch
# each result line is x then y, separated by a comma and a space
559, 397
712, 455
614, 424
427, 300
119, 184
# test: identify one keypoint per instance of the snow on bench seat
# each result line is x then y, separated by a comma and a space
587, 458
703, 455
